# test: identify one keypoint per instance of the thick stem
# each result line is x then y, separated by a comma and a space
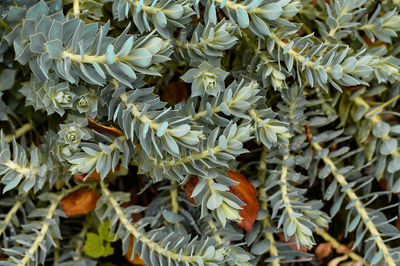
285, 197
234, 6
193, 157
21, 169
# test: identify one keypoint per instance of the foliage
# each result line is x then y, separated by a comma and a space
199, 132
99, 245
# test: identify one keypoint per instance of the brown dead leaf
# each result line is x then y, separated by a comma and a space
103, 129
79, 202
323, 250
93, 176
137, 260
189, 187
342, 249
352, 88
374, 44
247, 193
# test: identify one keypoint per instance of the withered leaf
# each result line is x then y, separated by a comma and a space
248, 194
323, 250
103, 129
137, 260
79, 202
245, 191
93, 176
189, 187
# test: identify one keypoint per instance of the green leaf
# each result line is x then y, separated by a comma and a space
108, 250
394, 165
94, 246
104, 232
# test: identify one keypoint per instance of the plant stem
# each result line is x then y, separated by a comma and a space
369, 224
193, 157
298, 57
76, 7
138, 114
10, 215
46, 226
214, 229
20, 132
335, 244
139, 235
375, 118
285, 197
81, 240
4, 25
87, 59
174, 197
266, 222
373, 111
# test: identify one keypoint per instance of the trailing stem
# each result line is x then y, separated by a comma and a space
138, 235
375, 235
174, 197
266, 221
45, 227
10, 215
20, 132
376, 118
335, 244
214, 230
298, 57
